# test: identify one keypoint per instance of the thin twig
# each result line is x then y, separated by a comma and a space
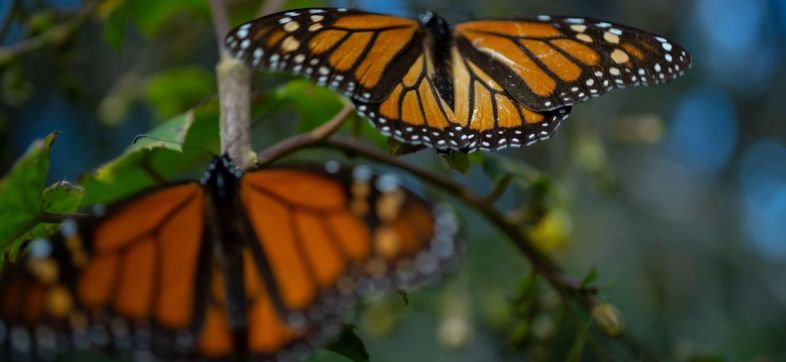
270, 6
220, 23
318, 134
55, 34
499, 188
58, 217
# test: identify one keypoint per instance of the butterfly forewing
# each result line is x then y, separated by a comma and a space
348, 50
552, 62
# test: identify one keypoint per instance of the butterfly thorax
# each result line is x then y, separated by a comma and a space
222, 179
440, 41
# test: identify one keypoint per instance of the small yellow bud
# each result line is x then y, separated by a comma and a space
552, 231
609, 319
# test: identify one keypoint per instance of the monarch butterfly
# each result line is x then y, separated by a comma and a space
486, 84
255, 266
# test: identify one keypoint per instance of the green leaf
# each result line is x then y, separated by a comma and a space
169, 135
403, 294
363, 127
591, 276
349, 345
610, 285
21, 193
497, 166
527, 287
176, 146
397, 148
115, 26
519, 333
315, 105
174, 91
458, 161
61, 197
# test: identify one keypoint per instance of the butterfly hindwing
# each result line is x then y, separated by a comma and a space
484, 116
491, 117
551, 62
329, 236
199, 271
128, 280
318, 239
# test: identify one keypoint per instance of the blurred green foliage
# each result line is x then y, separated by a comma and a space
171, 92
688, 289
148, 16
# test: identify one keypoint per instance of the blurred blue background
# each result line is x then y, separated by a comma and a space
676, 193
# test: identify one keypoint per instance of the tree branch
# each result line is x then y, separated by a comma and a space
234, 92
220, 23
54, 34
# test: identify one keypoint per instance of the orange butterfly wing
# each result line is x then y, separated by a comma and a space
327, 238
484, 116
351, 51
320, 240
552, 62
154, 274
130, 276
513, 81
386, 66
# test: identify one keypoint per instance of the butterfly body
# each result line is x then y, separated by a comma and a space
238, 266
440, 41
484, 84
227, 232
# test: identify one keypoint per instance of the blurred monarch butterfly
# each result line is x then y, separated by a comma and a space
486, 84
254, 266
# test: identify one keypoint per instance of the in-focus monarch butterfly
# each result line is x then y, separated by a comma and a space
254, 266
486, 84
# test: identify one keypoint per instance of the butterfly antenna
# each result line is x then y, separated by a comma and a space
137, 138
